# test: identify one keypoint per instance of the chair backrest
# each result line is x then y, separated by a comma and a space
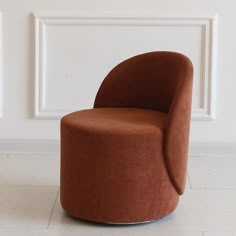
150, 80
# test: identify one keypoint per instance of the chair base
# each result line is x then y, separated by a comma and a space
131, 223
100, 220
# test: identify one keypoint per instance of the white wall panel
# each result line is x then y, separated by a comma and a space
74, 51
74, 54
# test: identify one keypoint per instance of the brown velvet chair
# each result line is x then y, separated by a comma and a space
124, 161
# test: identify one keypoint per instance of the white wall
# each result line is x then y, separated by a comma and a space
69, 47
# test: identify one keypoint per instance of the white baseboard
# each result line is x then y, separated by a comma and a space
53, 146
29, 146
212, 149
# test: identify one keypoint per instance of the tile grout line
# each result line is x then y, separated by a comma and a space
213, 188
53, 208
191, 187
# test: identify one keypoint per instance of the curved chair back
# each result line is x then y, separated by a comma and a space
149, 81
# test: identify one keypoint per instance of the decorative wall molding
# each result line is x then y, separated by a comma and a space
206, 111
1, 88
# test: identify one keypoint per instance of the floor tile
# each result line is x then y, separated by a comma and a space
3, 155
23, 169
91, 231
147, 231
223, 233
22, 232
60, 221
26, 207
112, 231
115, 231
210, 172
45, 232
203, 210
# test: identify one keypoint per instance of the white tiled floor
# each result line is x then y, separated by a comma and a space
219, 233
30, 206
30, 170
26, 207
218, 173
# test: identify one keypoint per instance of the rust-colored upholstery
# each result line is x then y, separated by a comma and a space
124, 161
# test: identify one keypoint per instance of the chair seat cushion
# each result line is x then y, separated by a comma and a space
118, 120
